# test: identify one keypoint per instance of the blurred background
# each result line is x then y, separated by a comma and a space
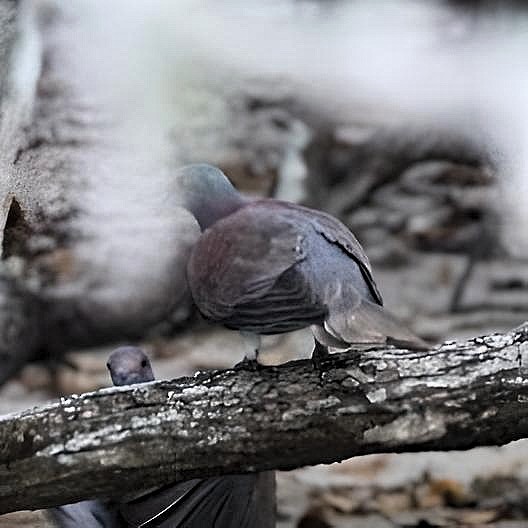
407, 120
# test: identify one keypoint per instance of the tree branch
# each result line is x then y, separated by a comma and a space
119, 440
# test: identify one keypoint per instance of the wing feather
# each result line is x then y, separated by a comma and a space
246, 272
337, 233
231, 501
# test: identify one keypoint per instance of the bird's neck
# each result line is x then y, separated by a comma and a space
213, 208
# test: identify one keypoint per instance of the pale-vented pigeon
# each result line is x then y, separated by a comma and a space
265, 266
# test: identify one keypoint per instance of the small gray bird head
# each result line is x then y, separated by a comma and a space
129, 365
206, 192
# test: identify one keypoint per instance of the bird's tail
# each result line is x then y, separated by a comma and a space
352, 320
231, 501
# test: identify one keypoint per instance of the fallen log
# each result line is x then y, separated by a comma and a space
119, 440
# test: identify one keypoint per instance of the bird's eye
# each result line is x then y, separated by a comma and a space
108, 365
144, 363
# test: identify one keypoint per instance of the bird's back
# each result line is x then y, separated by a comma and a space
273, 267
265, 267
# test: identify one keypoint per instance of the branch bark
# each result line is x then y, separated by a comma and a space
120, 440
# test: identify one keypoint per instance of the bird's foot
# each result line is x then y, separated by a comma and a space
320, 352
317, 362
248, 364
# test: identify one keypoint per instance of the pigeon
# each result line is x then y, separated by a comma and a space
266, 266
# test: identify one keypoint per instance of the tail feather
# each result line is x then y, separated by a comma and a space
353, 320
232, 501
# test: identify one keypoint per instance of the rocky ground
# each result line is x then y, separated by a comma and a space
426, 208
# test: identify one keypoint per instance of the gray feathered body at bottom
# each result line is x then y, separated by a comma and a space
231, 501
89, 514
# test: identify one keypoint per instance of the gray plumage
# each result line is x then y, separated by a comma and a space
207, 193
89, 514
86, 514
128, 365
231, 501
269, 267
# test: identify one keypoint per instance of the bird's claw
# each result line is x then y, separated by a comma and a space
248, 364
320, 352
317, 362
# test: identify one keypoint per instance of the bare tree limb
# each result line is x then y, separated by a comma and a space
115, 441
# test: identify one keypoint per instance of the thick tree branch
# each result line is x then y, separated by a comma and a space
115, 441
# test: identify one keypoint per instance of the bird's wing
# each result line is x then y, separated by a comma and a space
239, 260
352, 318
337, 233
93, 513
232, 501
290, 304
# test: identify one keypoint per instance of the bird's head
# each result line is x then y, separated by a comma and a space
129, 365
207, 193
